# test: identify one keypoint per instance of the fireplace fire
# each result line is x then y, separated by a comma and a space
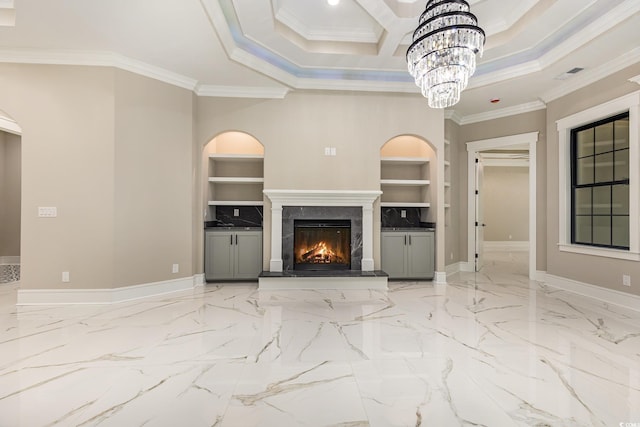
322, 245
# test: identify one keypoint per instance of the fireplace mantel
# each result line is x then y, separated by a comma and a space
280, 198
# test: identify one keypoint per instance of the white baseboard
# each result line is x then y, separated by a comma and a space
440, 278
454, 268
467, 267
198, 280
540, 276
102, 296
507, 246
610, 296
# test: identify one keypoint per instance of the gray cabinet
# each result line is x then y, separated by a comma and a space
233, 255
408, 254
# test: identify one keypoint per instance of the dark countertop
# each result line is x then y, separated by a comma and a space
223, 228
417, 229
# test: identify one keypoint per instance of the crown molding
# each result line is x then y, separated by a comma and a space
242, 92
99, 59
591, 76
453, 116
9, 125
503, 112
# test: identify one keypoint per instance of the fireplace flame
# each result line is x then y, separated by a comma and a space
320, 253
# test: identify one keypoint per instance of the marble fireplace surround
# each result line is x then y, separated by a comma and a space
324, 198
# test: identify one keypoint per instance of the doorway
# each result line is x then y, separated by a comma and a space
475, 225
10, 199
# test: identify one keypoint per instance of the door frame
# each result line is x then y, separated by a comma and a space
473, 148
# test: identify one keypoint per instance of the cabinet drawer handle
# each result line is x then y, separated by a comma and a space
236, 239
405, 240
231, 242
409, 238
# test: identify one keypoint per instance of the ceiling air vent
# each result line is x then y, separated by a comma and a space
571, 72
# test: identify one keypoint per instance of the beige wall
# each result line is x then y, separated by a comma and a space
505, 197
66, 114
10, 175
113, 151
153, 180
534, 121
600, 271
295, 130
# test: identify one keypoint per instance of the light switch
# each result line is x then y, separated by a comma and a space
47, 212
327, 151
333, 151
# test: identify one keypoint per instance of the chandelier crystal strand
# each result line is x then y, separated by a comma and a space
442, 56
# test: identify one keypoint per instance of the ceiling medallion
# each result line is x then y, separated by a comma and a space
442, 56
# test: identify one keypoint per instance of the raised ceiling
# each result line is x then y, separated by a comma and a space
266, 48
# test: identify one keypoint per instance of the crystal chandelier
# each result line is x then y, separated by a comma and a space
442, 56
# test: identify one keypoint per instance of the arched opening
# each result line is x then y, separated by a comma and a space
233, 169
408, 179
10, 198
234, 179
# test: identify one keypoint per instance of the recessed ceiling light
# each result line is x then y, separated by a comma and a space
333, 2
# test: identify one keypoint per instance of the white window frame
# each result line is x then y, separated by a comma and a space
630, 103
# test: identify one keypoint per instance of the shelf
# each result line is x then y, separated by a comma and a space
236, 203
447, 205
235, 180
405, 182
404, 205
447, 163
237, 157
447, 184
405, 160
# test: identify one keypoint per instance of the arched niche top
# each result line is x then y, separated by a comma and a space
234, 142
7, 124
407, 146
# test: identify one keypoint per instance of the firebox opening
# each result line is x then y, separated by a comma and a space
322, 244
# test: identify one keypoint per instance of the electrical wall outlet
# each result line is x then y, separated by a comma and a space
47, 212
626, 280
65, 277
175, 268
236, 212
403, 213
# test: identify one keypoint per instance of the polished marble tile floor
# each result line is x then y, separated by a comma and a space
492, 349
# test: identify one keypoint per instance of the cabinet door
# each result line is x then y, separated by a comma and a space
392, 254
248, 255
420, 255
219, 256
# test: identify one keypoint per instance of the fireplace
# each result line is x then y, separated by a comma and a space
321, 244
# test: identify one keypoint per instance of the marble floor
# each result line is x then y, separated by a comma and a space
492, 349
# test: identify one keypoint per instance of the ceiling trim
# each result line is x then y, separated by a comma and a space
561, 48
242, 92
99, 59
503, 112
588, 77
9, 125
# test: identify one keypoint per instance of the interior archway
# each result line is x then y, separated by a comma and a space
412, 184
10, 198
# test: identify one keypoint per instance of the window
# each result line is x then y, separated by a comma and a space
599, 180
600, 183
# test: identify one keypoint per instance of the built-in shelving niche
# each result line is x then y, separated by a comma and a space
407, 171
235, 176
